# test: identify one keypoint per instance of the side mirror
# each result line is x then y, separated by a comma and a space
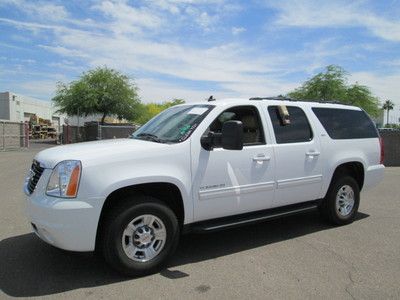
232, 135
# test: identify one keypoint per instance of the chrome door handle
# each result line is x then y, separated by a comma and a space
313, 153
261, 158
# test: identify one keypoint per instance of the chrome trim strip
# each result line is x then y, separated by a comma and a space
236, 190
299, 181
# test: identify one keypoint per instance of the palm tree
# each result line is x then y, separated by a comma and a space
388, 105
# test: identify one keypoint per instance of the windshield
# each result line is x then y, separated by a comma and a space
173, 125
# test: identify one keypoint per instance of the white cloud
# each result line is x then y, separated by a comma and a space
238, 30
65, 51
205, 20
234, 69
395, 63
43, 10
152, 90
384, 86
143, 39
314, 13
43, 89
128, 19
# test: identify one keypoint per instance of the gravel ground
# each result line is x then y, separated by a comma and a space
290, 258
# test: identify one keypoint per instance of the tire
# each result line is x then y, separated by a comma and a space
124, 247
342, 200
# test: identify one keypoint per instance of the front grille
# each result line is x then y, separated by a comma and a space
36, 172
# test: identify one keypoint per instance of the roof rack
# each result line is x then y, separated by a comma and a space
282, 98
274, 98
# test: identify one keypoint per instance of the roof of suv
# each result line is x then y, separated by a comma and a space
277, 101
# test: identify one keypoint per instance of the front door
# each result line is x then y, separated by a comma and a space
229, 182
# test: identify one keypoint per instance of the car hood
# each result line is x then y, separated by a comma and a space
95, 151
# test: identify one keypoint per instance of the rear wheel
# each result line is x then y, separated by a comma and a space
140, 236
341, 203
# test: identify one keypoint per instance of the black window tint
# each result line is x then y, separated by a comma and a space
299, 129
252, 129
346, 123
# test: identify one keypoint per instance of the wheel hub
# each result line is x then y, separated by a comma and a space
143, 236
345, 200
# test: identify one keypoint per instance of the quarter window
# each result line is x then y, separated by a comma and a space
346, 123
299, 129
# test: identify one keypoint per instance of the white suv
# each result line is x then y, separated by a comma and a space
202, 167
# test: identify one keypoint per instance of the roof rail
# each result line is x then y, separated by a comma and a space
274, 98
282, 98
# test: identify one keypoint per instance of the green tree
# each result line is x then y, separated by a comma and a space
331, 85
149, 110
100, 91
388, 106
361, 96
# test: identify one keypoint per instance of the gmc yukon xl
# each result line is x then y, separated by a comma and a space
202, 167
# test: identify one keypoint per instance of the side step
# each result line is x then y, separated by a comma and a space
249, 218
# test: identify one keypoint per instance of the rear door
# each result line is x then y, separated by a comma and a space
297, 152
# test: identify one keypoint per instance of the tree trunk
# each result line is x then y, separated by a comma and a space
387, 117
102, 119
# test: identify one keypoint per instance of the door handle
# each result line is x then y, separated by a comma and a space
261, 158
313, 153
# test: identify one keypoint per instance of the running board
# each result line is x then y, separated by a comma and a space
250, 218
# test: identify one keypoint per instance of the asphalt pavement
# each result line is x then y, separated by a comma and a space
291, 258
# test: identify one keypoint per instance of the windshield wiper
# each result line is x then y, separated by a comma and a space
150, 137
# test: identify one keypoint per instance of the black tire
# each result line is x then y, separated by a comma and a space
115, 224
329, 208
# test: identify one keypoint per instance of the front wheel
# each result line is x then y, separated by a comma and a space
341, 203
140, 236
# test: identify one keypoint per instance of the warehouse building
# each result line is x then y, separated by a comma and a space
20, 108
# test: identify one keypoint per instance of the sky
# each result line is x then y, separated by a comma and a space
193, 49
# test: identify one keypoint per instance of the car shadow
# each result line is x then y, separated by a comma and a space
29, 267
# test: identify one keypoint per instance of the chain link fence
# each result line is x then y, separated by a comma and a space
13, 135
94, 131
391, 142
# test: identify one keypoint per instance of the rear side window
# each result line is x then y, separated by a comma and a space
299, 129
346, 123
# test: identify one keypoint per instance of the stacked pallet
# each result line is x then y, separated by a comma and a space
41, 128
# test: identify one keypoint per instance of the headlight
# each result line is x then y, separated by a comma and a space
64, 179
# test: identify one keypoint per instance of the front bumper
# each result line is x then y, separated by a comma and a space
69, 224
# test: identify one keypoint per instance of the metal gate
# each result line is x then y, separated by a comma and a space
13, 135
115, 131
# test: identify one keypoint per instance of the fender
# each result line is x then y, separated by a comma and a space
185, 193
336, 162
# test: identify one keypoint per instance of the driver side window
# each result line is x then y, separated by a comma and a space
252, 128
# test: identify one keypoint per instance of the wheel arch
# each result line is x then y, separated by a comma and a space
353, 168
167, 192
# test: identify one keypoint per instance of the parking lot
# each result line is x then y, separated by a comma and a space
295, 257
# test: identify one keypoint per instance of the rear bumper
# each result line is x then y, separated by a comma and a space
373, 175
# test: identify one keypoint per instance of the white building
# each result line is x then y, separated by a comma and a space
20, 108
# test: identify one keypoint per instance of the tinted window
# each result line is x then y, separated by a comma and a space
299, 130
346, 123
248, 115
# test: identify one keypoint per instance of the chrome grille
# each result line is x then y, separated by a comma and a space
36, 172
